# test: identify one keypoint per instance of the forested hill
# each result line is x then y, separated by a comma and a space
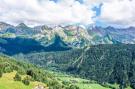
27, 76
103, 63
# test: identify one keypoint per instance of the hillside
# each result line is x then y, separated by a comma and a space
38, 77
20, 75
7, 82
102, 63
18, 45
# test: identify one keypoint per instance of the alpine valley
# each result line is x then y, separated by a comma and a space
66, 57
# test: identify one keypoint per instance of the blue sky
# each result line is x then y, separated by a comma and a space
56, 12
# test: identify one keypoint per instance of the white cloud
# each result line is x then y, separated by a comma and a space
95, 2
118, 12
35, 12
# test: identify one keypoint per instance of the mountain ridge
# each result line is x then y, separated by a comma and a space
77, 36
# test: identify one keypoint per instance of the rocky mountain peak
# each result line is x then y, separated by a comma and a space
22, 25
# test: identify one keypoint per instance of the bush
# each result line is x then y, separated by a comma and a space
17, 77
8, 69
32, 74
1, 73
73, 87
66, 83
21, 71
26, 81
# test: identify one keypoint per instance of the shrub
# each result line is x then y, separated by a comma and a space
8, 69
26, 81
73, 87
66, 83
1, 73
17, 77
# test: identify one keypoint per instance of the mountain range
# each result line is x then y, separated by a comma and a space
73, 35
104, 55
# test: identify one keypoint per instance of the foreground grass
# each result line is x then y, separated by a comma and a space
7, 82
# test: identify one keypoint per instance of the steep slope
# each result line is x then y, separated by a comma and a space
58, 44
121, 35
12, 46
75, 36
19, 45
7, 30
106, 63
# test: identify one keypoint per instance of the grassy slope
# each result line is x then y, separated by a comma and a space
7, 82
